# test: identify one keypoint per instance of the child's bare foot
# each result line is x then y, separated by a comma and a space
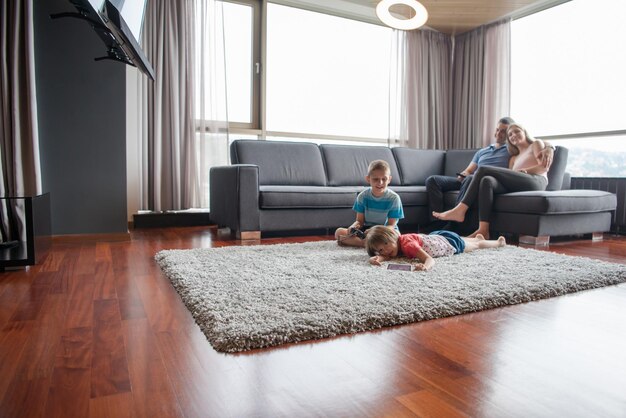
454, 214
479, 237
501, 241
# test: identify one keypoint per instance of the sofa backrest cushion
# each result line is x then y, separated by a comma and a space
281, 163
557, 169
346, 165
457, 160
415, 165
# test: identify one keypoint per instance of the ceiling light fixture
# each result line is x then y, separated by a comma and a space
384, 14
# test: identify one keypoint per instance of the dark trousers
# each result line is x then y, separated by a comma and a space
436, 186
489, 181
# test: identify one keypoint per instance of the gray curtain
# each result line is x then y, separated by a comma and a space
176, 146
20, 173
480, 84
425, 65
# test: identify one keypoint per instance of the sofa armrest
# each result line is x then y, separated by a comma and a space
234, 197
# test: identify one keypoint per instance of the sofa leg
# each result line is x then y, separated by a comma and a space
248, 235
540, 241
597, 236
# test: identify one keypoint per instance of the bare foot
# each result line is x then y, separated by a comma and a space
479, 237
456, 215
501, 241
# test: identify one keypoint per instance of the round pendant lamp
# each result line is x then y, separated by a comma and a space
384, 14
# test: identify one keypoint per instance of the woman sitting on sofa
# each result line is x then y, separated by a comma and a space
525, 173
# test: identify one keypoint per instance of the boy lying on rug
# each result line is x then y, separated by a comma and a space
383, 243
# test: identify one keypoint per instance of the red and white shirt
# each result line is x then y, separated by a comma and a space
434, 245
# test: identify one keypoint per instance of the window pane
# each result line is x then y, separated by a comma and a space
326, 75
238, 25
595, 157
568, 66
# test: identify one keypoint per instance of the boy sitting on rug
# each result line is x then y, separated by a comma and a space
376, 205
383, 244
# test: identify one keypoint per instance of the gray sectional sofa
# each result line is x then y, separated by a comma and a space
291, 186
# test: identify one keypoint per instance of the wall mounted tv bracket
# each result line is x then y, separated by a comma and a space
114, 50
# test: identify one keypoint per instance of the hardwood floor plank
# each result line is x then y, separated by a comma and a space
42, 344
109, 367
81, 301
54, 259
86, 263
69, 393
129, 297
104, 281
163, 306
25, 398
13, 339
32, 300
75, 350
103, 252
191, 383
118, 406
426, 404
153, 396
13, 287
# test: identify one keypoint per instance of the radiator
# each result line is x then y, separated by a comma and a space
607, 184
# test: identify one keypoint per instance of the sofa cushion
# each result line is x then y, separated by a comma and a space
284, 163
346, 165
556, 202
412, 195
415, 165
275, 197
457, 160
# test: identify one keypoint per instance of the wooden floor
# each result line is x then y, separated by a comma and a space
96, 330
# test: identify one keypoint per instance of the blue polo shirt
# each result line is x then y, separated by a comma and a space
492, 156
378, 210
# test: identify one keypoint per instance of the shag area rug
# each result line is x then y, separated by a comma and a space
249, 297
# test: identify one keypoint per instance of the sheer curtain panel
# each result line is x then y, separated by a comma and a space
422, 89
481, 84
184, 131
497, 85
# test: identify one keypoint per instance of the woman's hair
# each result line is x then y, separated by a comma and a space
379, 235
513, 150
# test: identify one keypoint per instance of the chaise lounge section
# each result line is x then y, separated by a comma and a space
280, 186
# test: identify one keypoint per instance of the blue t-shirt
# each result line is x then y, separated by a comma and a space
492, 156
378, 210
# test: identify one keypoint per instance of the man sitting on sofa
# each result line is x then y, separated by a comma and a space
496, 155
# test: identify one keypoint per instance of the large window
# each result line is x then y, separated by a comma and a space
569, 83
326, 75
326, 78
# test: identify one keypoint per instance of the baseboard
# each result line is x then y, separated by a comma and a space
73, 238
169, 219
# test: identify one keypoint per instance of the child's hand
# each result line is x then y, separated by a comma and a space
420, 267
376, 260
